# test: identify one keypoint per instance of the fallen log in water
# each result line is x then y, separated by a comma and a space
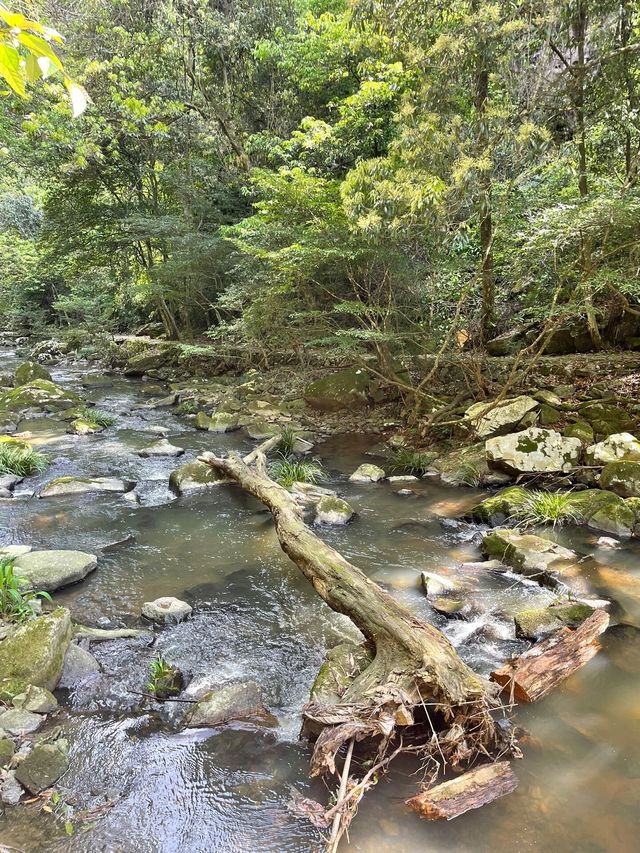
545, 665
414, 665
469, 791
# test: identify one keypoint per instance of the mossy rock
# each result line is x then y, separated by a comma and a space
606, 419
193, 477
618, 519
80, 426
7, 751
153, 359
40, 395
581, 430
536, 623
466, 466
333, 510
529, 555
34, 653
622, 477
547, 416
30, 370
343, 390
500, 506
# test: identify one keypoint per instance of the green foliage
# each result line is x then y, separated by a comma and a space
188, 407
538, 507
289, 471
288, 439
16, 605
21, 459
164, 679
403, 460
96, 418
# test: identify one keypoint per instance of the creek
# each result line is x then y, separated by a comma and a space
255, 617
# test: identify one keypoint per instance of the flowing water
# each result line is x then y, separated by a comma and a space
144, 786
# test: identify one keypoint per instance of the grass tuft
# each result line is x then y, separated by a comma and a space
21, 460
555, 508
288, 471
96, 418
406, 461
16, 605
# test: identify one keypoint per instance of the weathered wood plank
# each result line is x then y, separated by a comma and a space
472, 790
545, 665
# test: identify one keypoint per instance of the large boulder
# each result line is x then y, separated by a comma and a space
344, 390
40, 395
622, 477
621, 445
83, 486
51, 570
231, 702
30, 370
605, 418
34, 653
533, 450
488, 419
529, 555
148, 360
194, 477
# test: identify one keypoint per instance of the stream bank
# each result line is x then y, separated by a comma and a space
255, 619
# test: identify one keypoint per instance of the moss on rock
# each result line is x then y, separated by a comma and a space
34, 653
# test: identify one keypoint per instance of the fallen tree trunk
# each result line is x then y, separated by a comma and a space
539, 670
415, 669
469, 791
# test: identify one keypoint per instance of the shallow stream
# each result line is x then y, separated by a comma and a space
227, 790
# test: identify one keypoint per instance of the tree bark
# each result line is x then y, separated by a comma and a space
470, 791
414, 663
543, 667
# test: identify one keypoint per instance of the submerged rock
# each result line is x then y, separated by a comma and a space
194, 476
34, 653
333, 510
489, 419
51, 570
533, 450
30, 370
166, 610
528, 554
42, 768
344, 390
231, 702
84, 486
161, 448
367, 473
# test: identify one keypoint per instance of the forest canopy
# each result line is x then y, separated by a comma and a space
366, 175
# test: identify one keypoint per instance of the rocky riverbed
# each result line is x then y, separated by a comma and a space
128, 531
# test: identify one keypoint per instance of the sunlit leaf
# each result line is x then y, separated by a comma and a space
10, 68
78, 97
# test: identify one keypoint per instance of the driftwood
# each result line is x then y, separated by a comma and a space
545, 665
103, 634
470, 791
416, 675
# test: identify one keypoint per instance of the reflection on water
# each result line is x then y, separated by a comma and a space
157, 790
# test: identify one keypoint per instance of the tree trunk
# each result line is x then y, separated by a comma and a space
485, 189
543, 667
472, 790
414, 663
